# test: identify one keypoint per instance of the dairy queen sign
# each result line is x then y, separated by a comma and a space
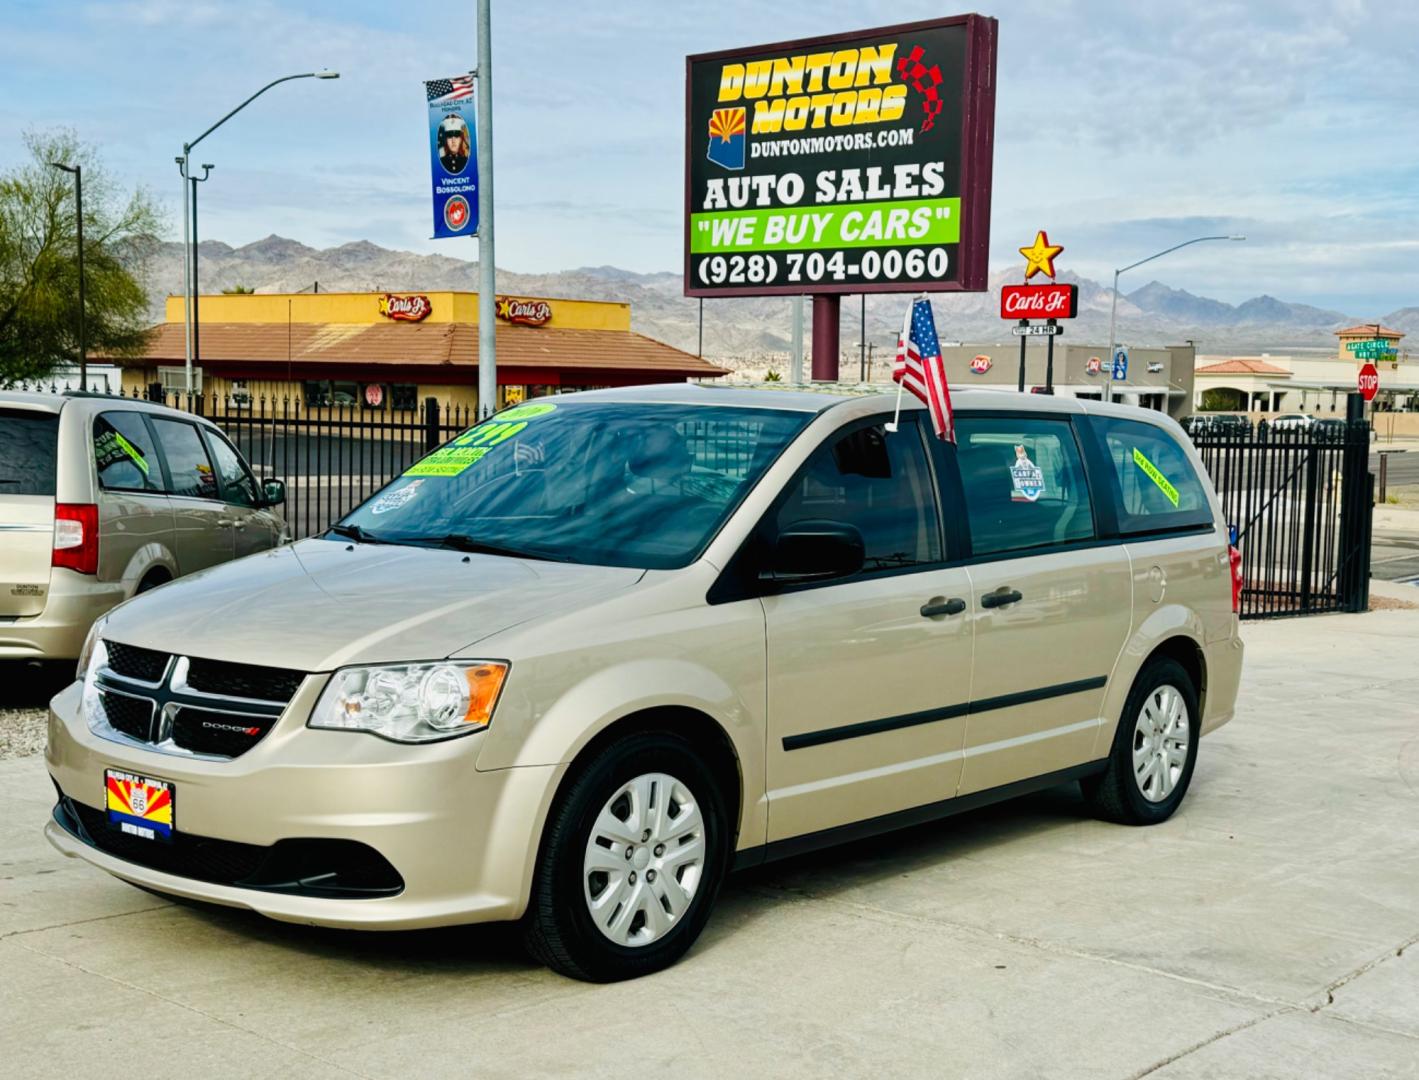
980, 364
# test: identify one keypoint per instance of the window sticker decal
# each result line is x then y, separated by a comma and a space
396, 499
1026, 478
467, 449
530, 411
111, 447
1151, 471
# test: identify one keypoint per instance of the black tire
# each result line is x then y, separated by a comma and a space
1115, 794
559, 930
152, 580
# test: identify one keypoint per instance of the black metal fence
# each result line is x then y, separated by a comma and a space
332, 457
1301, 503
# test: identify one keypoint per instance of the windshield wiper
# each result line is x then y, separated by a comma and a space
463, 542
355, 533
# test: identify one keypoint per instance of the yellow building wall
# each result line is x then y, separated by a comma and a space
363, 308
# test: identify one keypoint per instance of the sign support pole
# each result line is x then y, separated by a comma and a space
795, 366
487, 260
1049, 359
1021, 387
826, 311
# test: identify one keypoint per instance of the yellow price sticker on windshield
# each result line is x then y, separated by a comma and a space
1151, 471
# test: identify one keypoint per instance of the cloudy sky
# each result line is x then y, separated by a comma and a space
1122, 127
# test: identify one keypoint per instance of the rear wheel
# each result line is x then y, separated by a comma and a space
631, 861
1154, 751
152, 579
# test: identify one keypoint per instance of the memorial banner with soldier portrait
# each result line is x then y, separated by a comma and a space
453, 155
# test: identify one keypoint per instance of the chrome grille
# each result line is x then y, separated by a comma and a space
192, 706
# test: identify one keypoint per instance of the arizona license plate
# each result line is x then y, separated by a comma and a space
139, 805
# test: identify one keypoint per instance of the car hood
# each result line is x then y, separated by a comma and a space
318, 605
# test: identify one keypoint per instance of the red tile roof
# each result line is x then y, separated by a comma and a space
423, 344
1368, 330
1241, 366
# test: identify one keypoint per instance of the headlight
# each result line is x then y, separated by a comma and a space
87, 651
412, 702
95, 656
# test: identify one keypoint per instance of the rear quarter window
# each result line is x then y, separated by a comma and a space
123, 453
29, 443
1155, 485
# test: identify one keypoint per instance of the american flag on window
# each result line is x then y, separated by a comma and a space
920, 369
454, 89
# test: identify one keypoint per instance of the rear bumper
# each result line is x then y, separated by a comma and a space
462, 842
57, 633
1224, 676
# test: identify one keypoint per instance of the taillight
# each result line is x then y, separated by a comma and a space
76, 537
1235, 558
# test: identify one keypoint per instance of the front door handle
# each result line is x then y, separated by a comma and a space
1001, 598
934, 608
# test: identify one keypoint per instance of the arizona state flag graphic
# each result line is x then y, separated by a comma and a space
139, 806
726, 138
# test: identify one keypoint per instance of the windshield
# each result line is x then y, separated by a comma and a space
615, 484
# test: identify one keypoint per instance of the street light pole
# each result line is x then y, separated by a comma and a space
487, 256
1113, 306
196, 257
184, 163
78, 171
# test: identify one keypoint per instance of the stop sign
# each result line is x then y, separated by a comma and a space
1369, 382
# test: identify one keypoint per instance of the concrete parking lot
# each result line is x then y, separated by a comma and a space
1271, 929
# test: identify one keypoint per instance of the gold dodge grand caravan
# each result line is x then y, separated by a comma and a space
597, 651
102, 497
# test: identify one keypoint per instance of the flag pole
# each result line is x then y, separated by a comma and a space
901, 357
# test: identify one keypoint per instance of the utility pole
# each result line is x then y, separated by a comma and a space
78, 173
862, 345
487, 257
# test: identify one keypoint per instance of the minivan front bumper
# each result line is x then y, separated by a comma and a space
463, 842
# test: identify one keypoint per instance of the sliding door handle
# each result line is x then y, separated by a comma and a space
1001, 598
936, 607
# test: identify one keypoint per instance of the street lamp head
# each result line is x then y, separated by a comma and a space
327, 74
1236, 238
205, 166
66, 168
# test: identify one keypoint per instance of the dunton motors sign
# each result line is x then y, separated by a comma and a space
855, 162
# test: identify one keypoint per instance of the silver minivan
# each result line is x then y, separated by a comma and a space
574, 666
104, 497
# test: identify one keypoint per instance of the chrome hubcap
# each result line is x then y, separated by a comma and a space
644, 859
1160, 741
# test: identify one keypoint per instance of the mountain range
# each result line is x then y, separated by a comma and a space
760, 327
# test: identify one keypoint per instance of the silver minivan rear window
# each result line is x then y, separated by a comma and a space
29, 443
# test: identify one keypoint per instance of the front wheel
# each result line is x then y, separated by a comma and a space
631, 861
1154, 751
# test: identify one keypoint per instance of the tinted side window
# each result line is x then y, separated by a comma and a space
123, 453
187, 461
879, 482
1157, 486
237, 485
1024, 484
29, 441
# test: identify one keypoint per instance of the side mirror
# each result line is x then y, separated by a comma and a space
273, 492
814, 551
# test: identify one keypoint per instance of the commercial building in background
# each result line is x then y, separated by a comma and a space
392, 350
1308, 384
1158, 378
